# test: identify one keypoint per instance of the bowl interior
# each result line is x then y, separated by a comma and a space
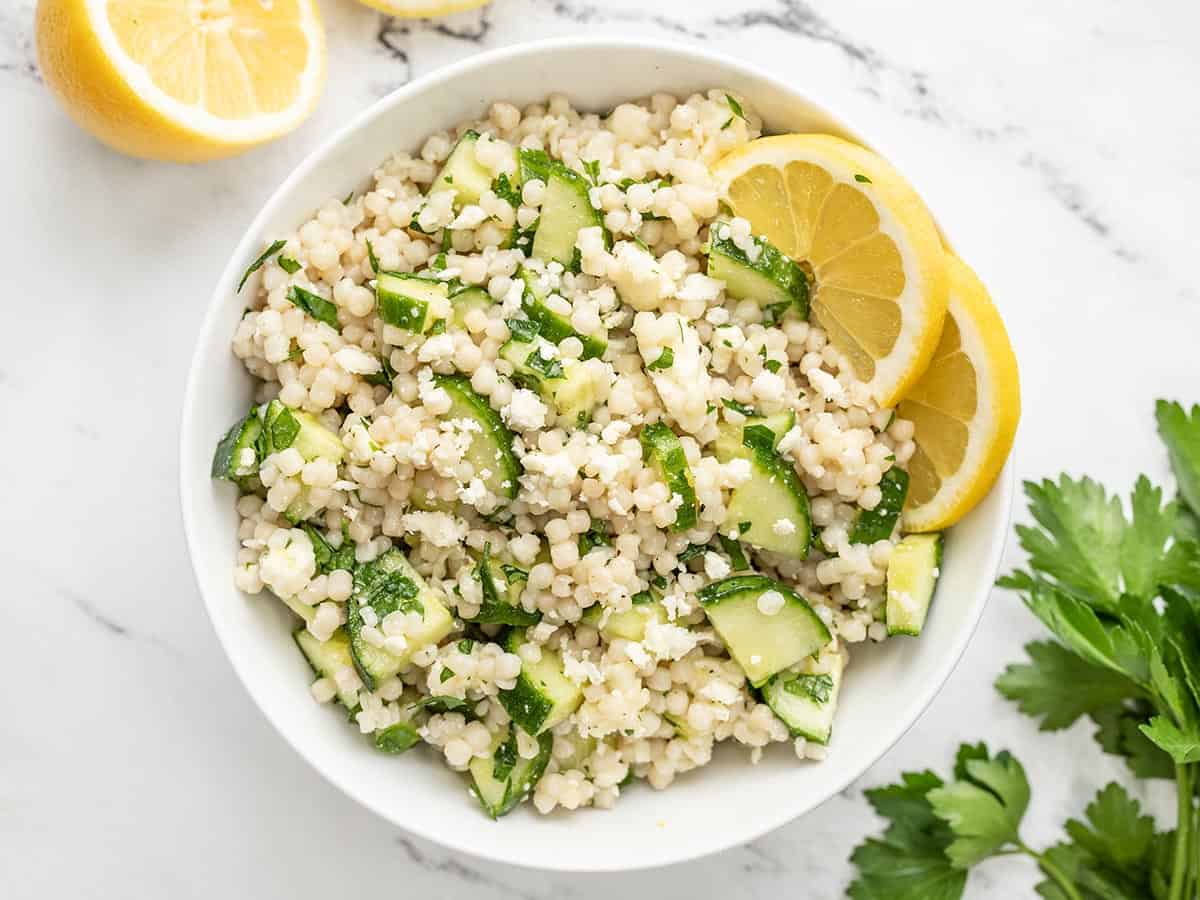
726, 803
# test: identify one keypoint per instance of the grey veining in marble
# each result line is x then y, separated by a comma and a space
1058, 144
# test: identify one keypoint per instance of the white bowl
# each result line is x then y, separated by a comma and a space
726, 803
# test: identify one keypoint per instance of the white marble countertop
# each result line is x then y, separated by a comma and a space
1052, 139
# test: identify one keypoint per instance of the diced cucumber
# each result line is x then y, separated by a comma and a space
501, 781
771, 279
773, 494
762, 645
543, 695
491, 452
501, 586
387, 585
533, 164
805, 703
328, 658
227, 460
729, 445
566, 384
465, 301
463, 173
566, 208
629, 625
286, 427
397, 738
662, 449
553, 326
912, 575
871, 525
409, 301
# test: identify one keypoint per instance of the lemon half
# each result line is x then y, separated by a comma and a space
183, 80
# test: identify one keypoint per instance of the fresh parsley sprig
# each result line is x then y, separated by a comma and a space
1118, 587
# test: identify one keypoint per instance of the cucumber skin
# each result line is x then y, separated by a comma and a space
662, 445
403, 310
552, 326
548, 245
771, 265
459, 387
243, 434
779, 468
529, 777
877, 524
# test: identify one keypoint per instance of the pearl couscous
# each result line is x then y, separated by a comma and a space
551, 487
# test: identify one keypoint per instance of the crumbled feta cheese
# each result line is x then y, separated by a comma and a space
783, 527
525, 411
356, 361
715, 565
439, 528
828, 386
666, 641
438, 348
683, 388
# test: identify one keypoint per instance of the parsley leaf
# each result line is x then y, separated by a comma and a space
288, 265
1118, 733
1181, 433
372, 258
385, 375
665, 360
595, 536
523, 330
737, 557
384, 591
258, 263
691, 551
742, 408
862, 179
1058, 686
815, 687
592, 168
547, 368
736, 107
503, 188
909, 861
328, 559
505, 757
984, 807
318, 307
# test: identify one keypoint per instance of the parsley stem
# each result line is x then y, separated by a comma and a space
1055, 873
1183, 835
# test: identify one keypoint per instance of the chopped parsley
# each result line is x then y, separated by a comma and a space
372, 258
665, 360
772, 365
592, 168
547, 368
505, 758
385, 375
512, 573
447, 674
736, 107
815, 687
862, 179
465, 646
595, 536
258, 263
288, 265
691, 551
503, 188
523, 330
742, 408
318, 307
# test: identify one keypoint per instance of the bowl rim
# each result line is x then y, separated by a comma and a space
763, 823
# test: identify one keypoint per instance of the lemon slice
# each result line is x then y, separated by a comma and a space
874, 252
965, 409
183, 80
420, 9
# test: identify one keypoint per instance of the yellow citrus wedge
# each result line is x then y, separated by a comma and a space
423, 9
874, 252
183, 80
965, 408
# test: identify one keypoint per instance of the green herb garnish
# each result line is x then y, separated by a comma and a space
665, 360
258, 263
318, 307
742, 408
736, 107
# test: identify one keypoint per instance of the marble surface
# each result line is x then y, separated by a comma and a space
1052, 138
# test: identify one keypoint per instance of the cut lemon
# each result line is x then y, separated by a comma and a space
422, 9
874, 252
183, 80
965, 409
